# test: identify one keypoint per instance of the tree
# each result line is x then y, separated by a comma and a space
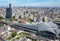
2, 18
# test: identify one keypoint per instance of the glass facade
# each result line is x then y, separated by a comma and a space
9, 12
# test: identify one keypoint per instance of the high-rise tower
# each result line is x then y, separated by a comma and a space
9, 12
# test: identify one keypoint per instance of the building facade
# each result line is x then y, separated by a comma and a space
9, 12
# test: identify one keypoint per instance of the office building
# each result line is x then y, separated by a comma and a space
9, 12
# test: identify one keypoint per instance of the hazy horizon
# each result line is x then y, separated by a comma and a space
30, 3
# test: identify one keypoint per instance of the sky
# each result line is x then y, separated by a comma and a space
33, 3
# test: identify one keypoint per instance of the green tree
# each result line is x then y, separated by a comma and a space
2, 18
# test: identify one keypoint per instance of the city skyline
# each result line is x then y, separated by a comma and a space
33, 3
